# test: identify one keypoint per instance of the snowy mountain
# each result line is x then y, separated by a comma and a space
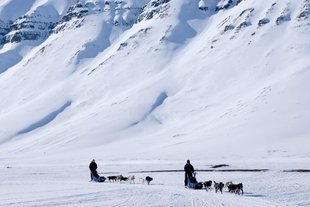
146, 85
163, 76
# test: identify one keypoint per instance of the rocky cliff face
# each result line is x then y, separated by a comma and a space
37, 26
29, 27
159, 7
32, 26
226, 4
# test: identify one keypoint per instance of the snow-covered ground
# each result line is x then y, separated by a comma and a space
68, 185
146, 85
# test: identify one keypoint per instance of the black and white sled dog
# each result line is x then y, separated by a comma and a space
113, 178
207, 185
218, 186
122, 178
148, 179
235, 188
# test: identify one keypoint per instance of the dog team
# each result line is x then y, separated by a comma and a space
94, 176
130, 179
191, 182
232, 188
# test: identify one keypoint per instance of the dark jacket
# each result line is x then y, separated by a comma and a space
189, 169
93, 167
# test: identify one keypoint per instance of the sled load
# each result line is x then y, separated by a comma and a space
193, 184
97, 178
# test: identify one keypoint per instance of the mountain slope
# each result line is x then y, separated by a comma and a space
156, 79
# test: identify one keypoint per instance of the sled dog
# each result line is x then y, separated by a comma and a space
218, 186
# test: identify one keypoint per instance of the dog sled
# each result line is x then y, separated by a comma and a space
96, 178
193, 184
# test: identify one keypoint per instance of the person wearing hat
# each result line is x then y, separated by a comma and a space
189, 170
93, 172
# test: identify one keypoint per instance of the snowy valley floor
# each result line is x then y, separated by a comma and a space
39, 185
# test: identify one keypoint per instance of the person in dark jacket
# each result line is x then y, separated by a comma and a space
189, 170
93, 172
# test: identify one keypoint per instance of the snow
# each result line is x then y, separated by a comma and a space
68, 185
10, 11
150, 94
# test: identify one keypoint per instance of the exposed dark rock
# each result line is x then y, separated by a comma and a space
263, 21
226, 4
250, 10
238, 2
156, 3
283, 18
303, 15
202, 5
22, 35
35, 26
229, 27
155, 7
243, 25
305, 11
223, 4
123, 45
28, 27
77, 11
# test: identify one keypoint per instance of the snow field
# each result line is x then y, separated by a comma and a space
36, 185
